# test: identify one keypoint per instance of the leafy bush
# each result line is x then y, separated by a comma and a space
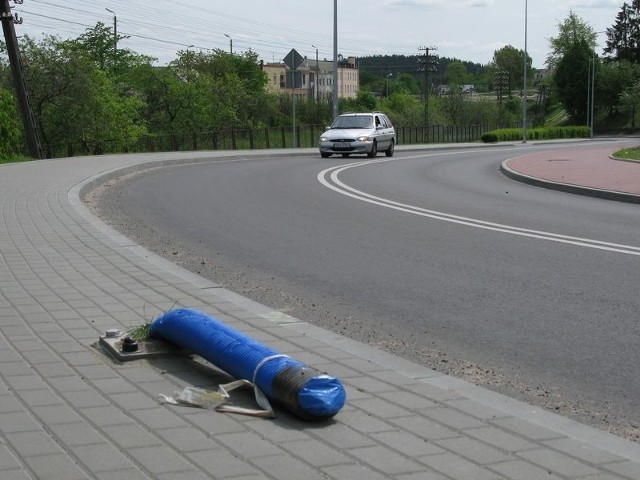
544, 133
10, 129
489, 137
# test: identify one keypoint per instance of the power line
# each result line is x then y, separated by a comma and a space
151, 25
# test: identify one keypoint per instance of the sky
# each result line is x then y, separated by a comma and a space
469, 30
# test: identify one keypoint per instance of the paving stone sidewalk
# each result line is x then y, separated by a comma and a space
67, 411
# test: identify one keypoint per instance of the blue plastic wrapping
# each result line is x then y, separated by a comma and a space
299, 388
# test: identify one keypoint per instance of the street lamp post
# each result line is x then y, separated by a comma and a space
317, 84
230, 43
335, 58
590, 93
591, 90
524, 91
115, 30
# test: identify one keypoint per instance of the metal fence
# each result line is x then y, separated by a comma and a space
267, 138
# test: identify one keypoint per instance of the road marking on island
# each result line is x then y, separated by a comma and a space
329, 178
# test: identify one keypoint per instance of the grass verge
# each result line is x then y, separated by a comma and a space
632, 153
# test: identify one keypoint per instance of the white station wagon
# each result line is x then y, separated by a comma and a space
353, 133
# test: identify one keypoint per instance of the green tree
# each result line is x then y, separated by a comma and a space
232, 86
100, 45
612, 79
174, 100
452, 108
511, 60
572, 89
409, 83
364, 102
105, 121
456, 75
571, 30
370, 81
631, 98
75, 102
623, 39
403, 109
10, 127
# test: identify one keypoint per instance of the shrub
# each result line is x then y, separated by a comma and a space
10, 129
546, 133
489, 137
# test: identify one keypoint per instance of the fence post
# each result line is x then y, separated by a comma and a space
284, 142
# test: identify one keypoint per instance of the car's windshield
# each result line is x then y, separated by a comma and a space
355, 121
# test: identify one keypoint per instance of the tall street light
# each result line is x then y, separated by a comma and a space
591, 89
317, 84
591, 86
524, 91
115, 30
335, 59
230, 43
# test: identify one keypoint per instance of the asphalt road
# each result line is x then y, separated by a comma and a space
435, 256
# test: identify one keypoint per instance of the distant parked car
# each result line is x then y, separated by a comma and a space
364, 133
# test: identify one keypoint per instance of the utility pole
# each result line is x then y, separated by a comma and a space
425, 65
501, 84
115, 30
22, 92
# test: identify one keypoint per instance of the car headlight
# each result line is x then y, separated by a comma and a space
363, 138
324, 139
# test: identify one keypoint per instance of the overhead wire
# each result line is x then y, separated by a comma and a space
162, 31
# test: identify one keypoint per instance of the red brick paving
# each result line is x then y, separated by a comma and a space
588, 166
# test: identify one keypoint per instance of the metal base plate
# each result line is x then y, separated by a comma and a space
146, 348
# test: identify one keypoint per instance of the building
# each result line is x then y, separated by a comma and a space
276, 75
314, 80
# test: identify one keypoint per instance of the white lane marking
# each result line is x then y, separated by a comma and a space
329, 178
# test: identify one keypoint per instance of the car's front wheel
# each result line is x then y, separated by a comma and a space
374, 150
325, 154
389, 151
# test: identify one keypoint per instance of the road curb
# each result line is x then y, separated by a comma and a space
481, 395
568, 187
